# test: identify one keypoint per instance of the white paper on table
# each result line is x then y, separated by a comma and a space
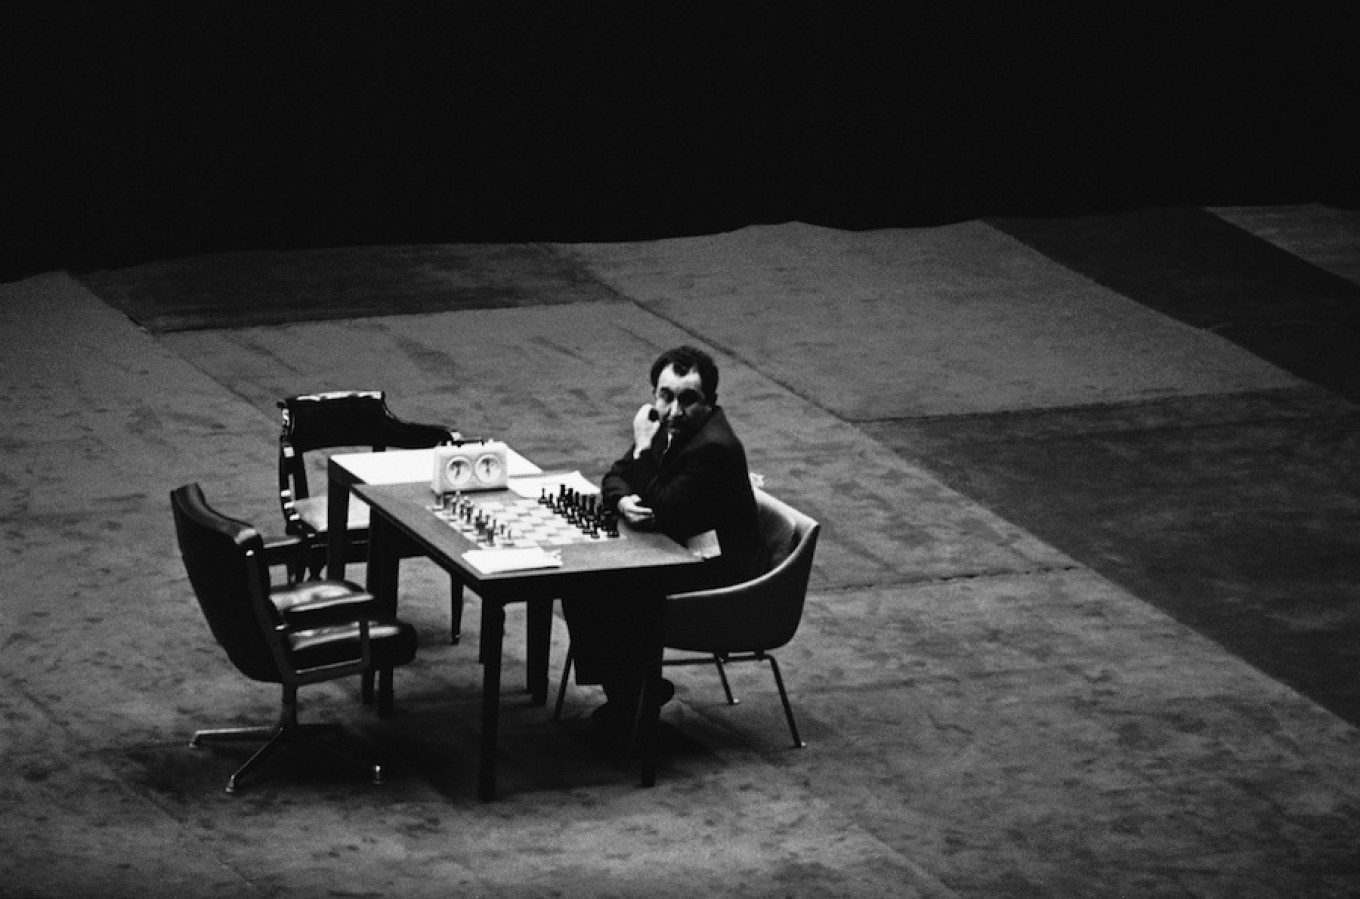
705, 545
496, 561
399, 466
531, 487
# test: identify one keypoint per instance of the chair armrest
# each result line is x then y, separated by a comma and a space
755, 585
345, 608
282, 550
712, 594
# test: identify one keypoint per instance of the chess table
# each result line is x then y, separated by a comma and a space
406, 466
643, 564
394, 466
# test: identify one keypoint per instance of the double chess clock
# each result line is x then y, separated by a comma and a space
467, 467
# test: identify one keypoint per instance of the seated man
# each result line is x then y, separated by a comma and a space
684, 475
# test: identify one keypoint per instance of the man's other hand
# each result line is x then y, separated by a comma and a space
634, 512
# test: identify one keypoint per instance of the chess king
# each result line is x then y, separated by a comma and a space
684, 474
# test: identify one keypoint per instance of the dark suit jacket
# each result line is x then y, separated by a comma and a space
699, 484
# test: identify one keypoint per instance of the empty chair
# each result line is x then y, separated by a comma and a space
291, 634
745, 621
355, 420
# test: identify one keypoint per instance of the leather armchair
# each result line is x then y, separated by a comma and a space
355, 420
290, 634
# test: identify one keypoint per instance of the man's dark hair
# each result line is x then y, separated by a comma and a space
686, 359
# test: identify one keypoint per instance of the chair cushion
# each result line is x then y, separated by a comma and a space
393, 643
286, 596
312, 511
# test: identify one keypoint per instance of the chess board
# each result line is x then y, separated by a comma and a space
517, 522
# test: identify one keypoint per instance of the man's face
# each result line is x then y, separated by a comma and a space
679, 401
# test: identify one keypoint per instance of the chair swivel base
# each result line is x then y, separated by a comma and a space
274, 737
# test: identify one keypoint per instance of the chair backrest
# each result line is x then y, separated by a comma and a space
756, 615
779, 528
356, 418
352, 418
224, 560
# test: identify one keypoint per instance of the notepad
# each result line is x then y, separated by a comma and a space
498, 561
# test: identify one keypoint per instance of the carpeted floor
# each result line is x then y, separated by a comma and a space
1231, 515
1081, 623
231, 290
1201, 269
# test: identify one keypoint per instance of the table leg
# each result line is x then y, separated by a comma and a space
337, 523
538, 623
384, 560
382, 578
493, 630
649, 714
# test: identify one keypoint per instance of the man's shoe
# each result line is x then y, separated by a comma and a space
663, 692
610, 720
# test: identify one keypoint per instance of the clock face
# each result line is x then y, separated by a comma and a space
458, 471
489, 468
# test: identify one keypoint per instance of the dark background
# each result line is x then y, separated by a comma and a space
147, 130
